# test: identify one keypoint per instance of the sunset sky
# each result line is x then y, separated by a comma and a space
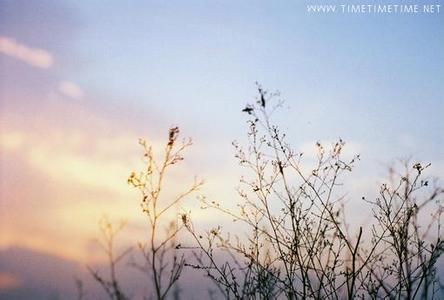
81, 81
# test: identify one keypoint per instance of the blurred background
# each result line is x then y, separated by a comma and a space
81, 81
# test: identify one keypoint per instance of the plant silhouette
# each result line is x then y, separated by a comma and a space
299, 244
164, 271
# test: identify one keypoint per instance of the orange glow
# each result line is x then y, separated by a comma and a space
8, 281
85, 177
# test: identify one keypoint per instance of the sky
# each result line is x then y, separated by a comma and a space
81, 81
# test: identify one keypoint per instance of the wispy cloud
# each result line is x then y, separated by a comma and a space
71, 90
39, 58
64, 158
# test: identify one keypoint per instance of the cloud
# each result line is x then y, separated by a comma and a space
60, 182
33, 56
11, 140
85, 159
67, 176
30, 274
8, 281
71, 90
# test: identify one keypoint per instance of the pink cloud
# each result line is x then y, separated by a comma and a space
71, 90
33, 56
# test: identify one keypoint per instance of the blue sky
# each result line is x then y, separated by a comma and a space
376, 72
